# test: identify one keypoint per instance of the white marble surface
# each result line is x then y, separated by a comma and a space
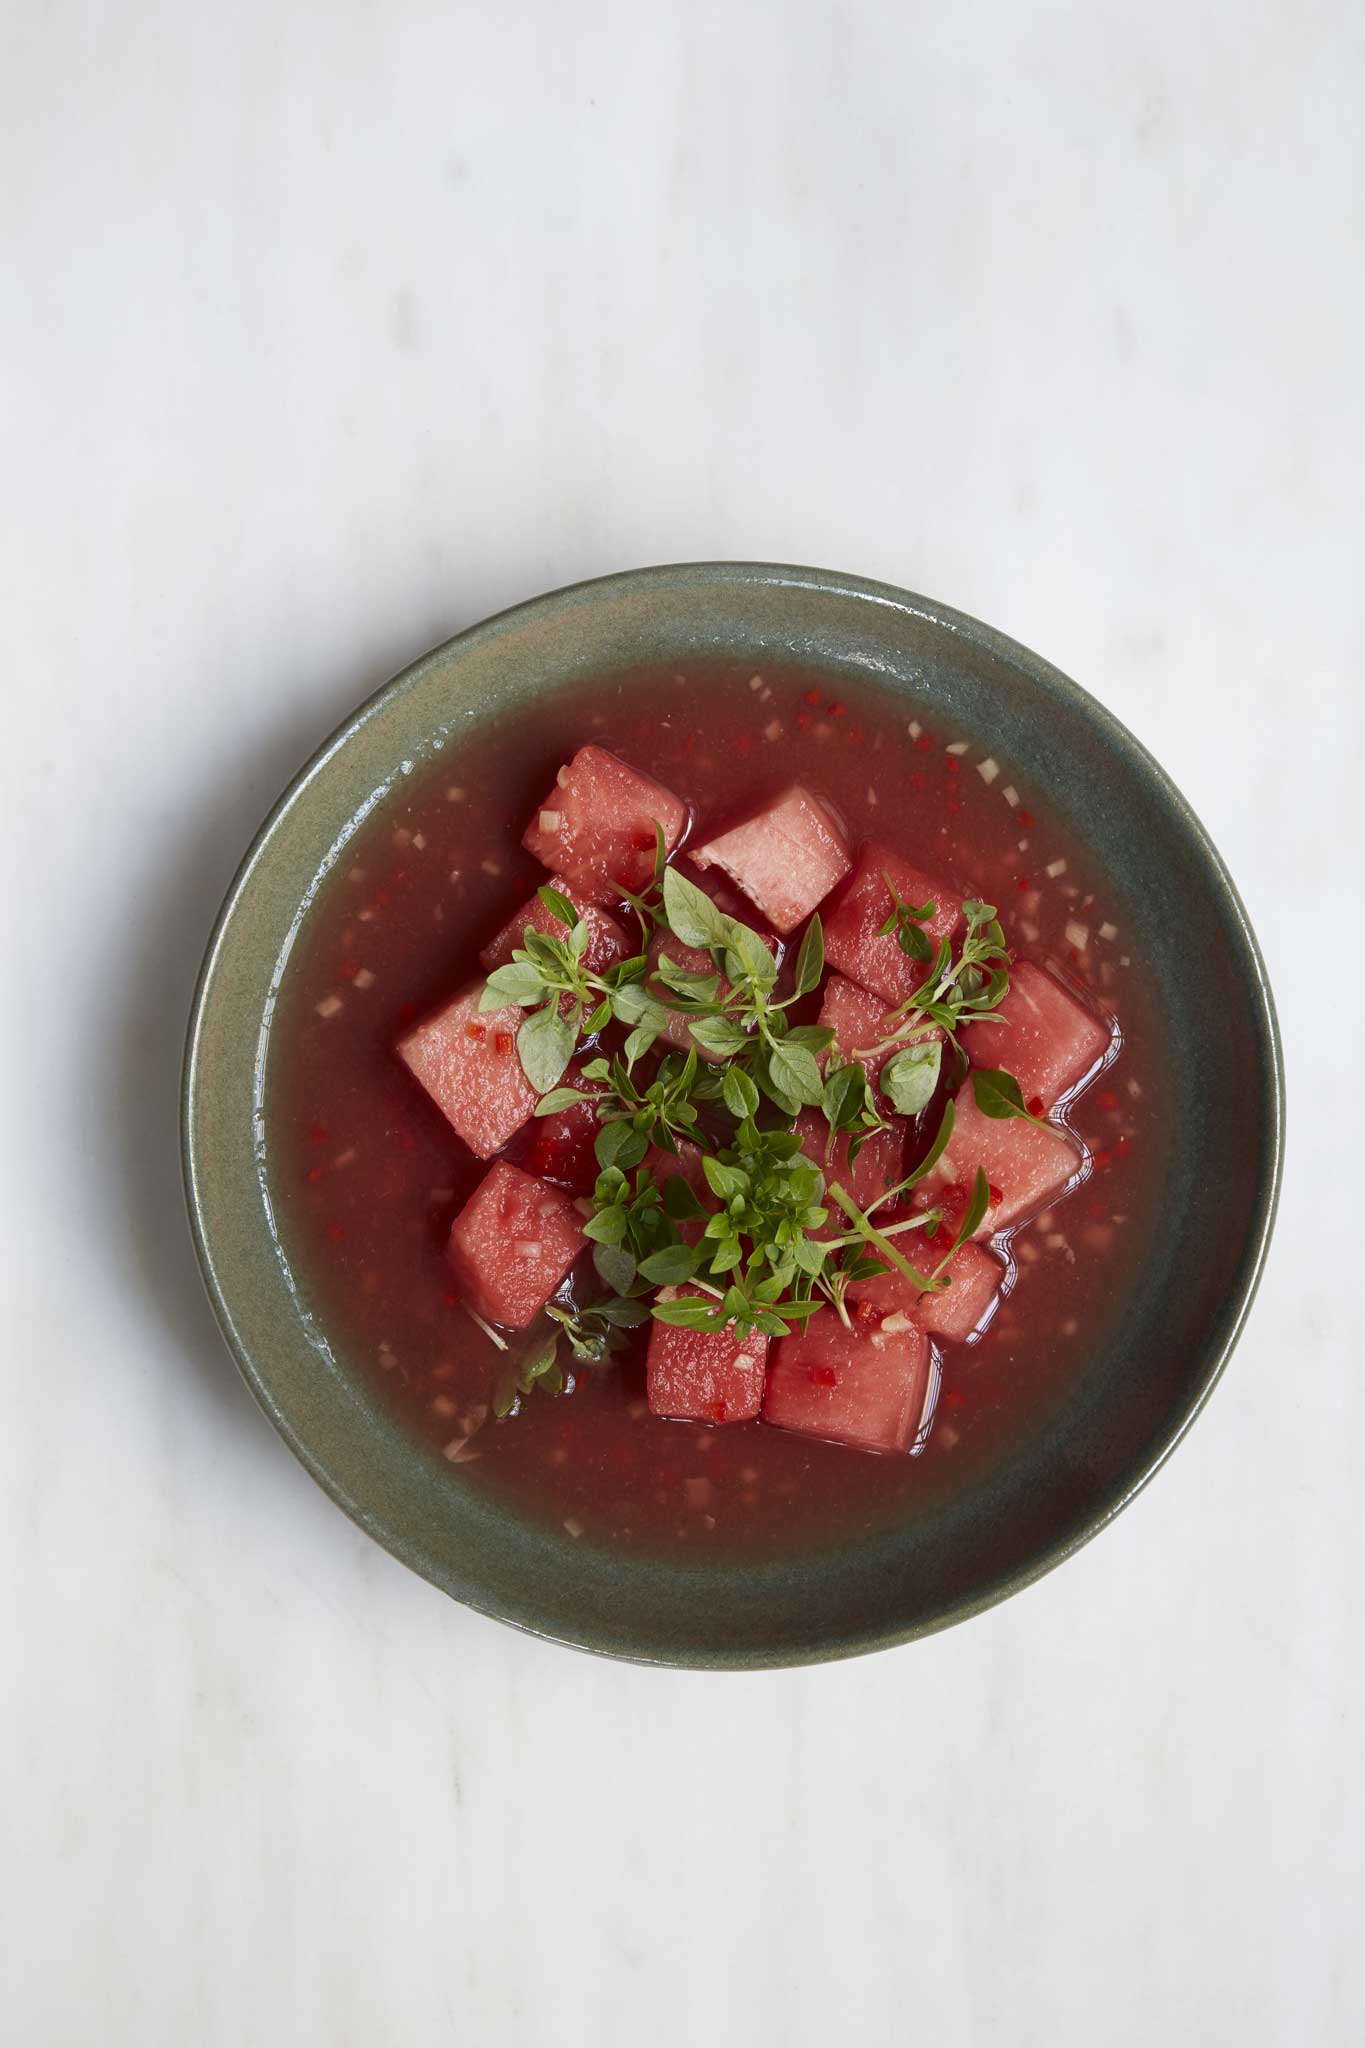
327, 330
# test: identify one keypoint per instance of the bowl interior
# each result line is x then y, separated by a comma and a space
1224, 1125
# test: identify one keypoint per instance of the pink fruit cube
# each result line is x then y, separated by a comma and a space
561, 1145
786, 858
852, 925
857, 1019
596, 827
468, 1064
705, 1375
1026, 1164
1050, 1041
512, 1243
877, 1167
607, 943
696, 961
954, 1315
866, 1386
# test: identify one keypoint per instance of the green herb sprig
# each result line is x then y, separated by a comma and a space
566, 999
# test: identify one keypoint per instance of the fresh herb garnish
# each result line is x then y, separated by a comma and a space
998, 1094
590, 1333
745, 1022
547, 976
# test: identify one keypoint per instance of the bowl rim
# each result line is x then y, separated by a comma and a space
772, 575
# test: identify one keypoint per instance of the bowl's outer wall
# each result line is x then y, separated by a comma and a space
1224, 1126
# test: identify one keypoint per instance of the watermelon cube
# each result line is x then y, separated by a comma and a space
878, 1165
857, 1018
596, 826
1027, 1165
705, 1375
1049, 1042
512, 1243
561, 1145
786, 858
954, 1315
867, 1386
852, 924
468, 1064
607, 943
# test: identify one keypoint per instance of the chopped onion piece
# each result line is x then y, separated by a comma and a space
956, 747
988, 770
362, 978
1109, 931
550, 821
1011, 795
1077, 935
329, 1006
1055, 868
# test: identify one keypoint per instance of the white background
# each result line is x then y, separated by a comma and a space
327, 331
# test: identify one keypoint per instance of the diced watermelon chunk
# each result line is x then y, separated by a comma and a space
976, 1275
705, 1375
607, 943
512, 1243
877, 1167
786, 858
852, 924
865, 1386
561, 1145
468, 1064
596, 826
1025, 1163
855, 1016
1050, 1042
696, 961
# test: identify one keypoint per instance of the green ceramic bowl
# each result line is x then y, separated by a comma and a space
1139, 1397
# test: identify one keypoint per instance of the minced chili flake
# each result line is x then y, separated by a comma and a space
504, 1044
824, 1376
836, 710
996, 1196
1023, 882
718, 1411
812, 697
953, 764
1036, 1106
336, 1232
924, 745
476, 1031
803, 721
314, 1174
1025, 820
318, 1134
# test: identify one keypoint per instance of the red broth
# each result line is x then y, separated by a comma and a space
366, 1175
